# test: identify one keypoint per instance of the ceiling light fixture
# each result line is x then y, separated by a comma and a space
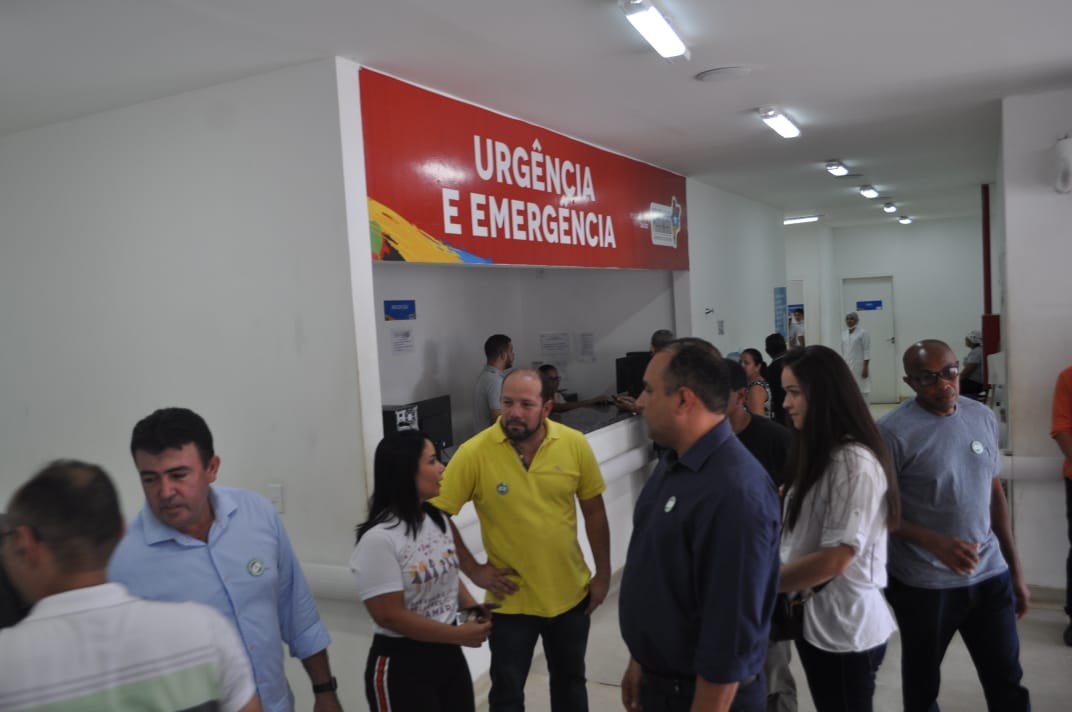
778, 121
650, 23
868, 191
904, 220
801, 219
889, 208
836, 168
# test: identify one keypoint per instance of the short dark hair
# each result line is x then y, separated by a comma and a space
774, 345
697, 365
73, 507
394, 488
798, 311
172, 428
661, 339
738, 379
495, 345
547, 368
547, 388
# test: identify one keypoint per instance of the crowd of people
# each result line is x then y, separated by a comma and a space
776, 494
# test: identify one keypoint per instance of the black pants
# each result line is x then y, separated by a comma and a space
404, 675
841, 682
674, 694
1068, 561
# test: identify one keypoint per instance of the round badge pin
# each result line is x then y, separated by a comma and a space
670, 504
977, 447
502, 488
255, 567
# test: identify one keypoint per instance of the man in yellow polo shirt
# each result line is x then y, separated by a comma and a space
524, 474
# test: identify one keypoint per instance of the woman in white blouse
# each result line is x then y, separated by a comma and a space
839, 510
407, 574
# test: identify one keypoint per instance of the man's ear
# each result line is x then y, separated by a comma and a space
686, 399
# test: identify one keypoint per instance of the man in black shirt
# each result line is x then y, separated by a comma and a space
769, 443
775, 348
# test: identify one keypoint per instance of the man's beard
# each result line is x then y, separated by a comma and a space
516, 435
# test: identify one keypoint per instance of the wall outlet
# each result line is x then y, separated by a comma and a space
275, 494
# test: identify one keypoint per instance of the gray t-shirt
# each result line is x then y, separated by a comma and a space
945, 468
486, 395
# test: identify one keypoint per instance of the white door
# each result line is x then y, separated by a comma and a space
872, 299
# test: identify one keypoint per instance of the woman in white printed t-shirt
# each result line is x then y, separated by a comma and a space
407, 574
839, 510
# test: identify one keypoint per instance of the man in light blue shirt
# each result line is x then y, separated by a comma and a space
224, 547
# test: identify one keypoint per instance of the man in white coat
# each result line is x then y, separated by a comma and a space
856, 350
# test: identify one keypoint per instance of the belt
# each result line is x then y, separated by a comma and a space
679, 684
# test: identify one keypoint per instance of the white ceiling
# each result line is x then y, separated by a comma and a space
905, 93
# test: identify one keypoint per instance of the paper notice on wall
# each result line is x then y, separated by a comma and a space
555, 347
402, 340
586, 346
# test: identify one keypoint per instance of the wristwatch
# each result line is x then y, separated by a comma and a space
329, 686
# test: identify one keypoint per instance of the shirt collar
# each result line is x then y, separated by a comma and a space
697, 455
80, 599
223, 505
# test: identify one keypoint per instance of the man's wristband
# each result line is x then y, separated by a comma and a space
329, 686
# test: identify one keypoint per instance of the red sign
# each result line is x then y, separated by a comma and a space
451, 182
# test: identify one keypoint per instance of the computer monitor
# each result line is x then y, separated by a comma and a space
432, 416
629, 372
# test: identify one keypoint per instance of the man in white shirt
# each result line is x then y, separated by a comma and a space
856, 350
89, 644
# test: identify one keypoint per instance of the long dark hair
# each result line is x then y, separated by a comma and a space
394, 492
836, 415
758, 358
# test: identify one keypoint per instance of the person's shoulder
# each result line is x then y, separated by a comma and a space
244, 498
896, 417
972, 408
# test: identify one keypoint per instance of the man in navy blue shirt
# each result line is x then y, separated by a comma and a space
702, 568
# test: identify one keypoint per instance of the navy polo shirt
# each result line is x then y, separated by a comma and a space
702, 569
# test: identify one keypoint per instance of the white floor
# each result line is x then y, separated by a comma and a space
1047, 664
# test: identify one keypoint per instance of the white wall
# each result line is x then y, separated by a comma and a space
736, 259
809, 258
458, 307
1038, 250
937, 270
188, 251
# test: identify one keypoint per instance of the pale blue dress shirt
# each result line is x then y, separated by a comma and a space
247, 570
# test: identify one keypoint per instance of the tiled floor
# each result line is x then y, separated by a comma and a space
1047, 664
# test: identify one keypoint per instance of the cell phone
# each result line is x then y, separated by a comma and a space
475, 613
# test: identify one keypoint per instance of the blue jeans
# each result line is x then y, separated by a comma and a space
513, 641
840, 682
985, 616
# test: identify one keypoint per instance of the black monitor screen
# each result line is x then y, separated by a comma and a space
629, 370
432, 416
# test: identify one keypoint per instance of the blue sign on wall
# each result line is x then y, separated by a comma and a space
869, 305
780, 299
399, 309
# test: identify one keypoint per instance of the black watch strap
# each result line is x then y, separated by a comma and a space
329, 686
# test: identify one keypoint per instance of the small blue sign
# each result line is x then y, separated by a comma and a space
870, 305
780, 299
399, 309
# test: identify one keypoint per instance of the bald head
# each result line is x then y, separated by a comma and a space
918, 354
547, 387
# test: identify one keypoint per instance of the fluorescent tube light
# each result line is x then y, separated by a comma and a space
835, 168
778, 122
889, 208
904, 220
650, 23
801, 219
868, 192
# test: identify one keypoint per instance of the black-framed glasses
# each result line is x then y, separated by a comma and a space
929, 378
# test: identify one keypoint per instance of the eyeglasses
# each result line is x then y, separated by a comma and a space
929, 378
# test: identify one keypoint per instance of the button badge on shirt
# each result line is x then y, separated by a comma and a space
502, 488
670, 504
977, 447
255, 567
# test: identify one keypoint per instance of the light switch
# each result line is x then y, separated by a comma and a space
275, 493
